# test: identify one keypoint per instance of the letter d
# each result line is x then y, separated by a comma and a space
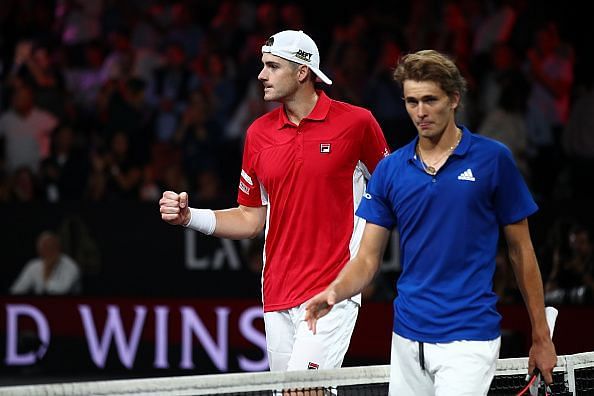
13, 311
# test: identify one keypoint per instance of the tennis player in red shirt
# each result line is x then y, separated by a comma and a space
304, 171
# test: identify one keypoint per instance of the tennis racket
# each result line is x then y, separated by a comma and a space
536, 385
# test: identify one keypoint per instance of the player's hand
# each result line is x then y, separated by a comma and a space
543, 356
174, 208
318, 306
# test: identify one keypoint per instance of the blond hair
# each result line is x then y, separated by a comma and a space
431, 65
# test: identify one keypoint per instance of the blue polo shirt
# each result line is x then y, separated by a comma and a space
449, 229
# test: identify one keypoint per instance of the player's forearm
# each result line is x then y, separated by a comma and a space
357, 274
237, 223
530, 284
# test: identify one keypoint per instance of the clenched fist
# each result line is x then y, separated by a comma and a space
174, 208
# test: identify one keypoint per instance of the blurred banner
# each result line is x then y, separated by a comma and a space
84, 338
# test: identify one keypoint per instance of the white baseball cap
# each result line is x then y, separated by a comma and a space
297, 47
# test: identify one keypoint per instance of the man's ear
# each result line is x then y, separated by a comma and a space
303, 73
455, 100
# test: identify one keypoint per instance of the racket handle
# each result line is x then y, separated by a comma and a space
537, 387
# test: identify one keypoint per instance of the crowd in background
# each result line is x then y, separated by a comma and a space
110, 101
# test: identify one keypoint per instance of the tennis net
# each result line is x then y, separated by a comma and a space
574, 375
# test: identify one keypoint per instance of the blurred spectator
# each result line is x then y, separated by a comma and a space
292, 17
147, 31
184, 28
578, 142
503, 64
79, 20
48, 180
349, 59
507, 123
149, 189
250, 44
124, 173
572, 275
84, 81
23, 186
68, 165
250, 107
25, 130
550, 63
350, 73
453, 37
496, 28
115, 174
224, 30
96, 188
420, 24
208, 188
120, 63
198, 135
174, 179
34, 65
125, 110
384, 98
215, 78
168, 91
52, 273
76, 238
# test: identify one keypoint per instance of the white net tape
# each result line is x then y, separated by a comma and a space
250, 382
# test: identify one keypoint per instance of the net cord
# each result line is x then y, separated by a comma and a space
251, 382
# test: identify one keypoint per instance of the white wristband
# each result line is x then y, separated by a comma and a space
203, 220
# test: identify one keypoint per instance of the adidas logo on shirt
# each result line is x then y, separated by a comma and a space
466, 175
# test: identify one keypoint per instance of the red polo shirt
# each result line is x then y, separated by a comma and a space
312, 177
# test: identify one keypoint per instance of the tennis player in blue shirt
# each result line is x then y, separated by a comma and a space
448, 192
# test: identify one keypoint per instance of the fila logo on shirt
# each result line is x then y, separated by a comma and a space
313, 366
466, 175
324, 148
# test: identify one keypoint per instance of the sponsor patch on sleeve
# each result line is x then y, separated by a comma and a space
243, 187
247, 177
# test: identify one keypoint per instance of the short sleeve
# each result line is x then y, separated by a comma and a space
375, 206
513, 200
250, 192
374, 146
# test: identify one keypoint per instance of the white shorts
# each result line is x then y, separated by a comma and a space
292, 346
460, 368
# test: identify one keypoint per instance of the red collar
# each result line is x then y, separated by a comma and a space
319, 112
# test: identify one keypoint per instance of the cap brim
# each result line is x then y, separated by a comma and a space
321, 75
